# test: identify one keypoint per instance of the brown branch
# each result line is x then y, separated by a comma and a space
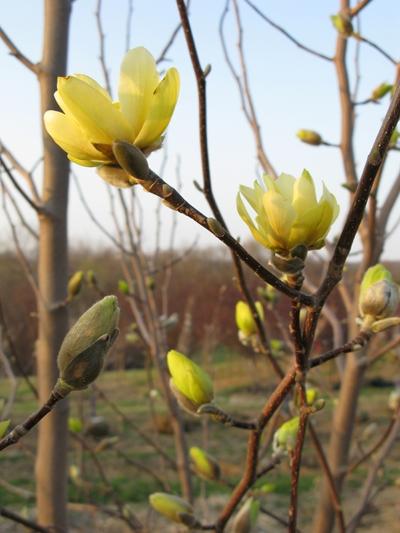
351, 346
354, 11
377, 48
18, 211
295, 464
26, 174
38, 208
33, 526
360, 199
102, 37
287, 34
14, 51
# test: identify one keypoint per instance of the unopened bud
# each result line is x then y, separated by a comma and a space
309, 137
81, 356
204, 464
246, 518
382, 90
91, 278
3, 427
172, 507
216, 227
342, 24
75, 284
245, 320
123, 286
379, 295
394, 138
189, 383
285, 437
131, 159
75, 424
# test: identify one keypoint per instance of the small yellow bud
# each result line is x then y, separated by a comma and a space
190, 384
285, 437
382, 90
75, 284
244, 318
246, 518
204, 464
75, 424
123, 286
172, 507
342, 24
379, 295
81, 356
309, 137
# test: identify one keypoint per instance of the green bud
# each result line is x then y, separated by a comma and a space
382, 90
75, 425
309, 137
75, 284
285, 437
3, 427
246, 518
244, 318
189, 383
204, 464
379, 295
342, 24
394, 138
115, 176
172, 507
81, 356
123, 286
131, 159
91, 278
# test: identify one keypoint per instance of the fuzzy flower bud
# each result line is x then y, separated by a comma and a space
285, 437
342, 24
309, 137
81, 356
246, 518
172, 507
189, 383
379, 295
204, 464
244, 318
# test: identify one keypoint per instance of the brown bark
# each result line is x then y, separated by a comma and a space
51, 461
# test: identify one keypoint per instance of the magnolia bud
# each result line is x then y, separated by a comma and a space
75, 424
123, 286
115, 176
131, 159
3, 427
81, 356
91, 278
285, 437
189, 383
394, 138
244, 318
382, 90
343, 24
172, 507
204, 464
246, 517
379, 295
309, 137
75, 284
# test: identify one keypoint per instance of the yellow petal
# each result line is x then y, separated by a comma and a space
82, 162
138, 80
160, 111
99, 119
304, 196
280, 214
93, 83
261, 238
284, 185
67, 134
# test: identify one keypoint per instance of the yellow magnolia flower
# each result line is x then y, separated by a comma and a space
204, 464
91, 121
288, 213
172, 507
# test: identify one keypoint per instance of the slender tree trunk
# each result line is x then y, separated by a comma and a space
51, 462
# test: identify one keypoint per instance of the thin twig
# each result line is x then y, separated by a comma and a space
358, 7
33, 526
102, 37
377, 48
38, 208
14, 51
287, 34
26, 174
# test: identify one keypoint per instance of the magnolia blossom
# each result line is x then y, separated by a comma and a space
288, 213
91, 120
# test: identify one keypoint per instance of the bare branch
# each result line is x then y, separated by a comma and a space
27, 175
358, 7
14, 51
287, 34
102, 37
38, 208
33, 526
377, 48
18, 211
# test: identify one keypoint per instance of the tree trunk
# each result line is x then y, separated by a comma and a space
51, 461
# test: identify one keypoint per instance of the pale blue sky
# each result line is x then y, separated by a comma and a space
291, 89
